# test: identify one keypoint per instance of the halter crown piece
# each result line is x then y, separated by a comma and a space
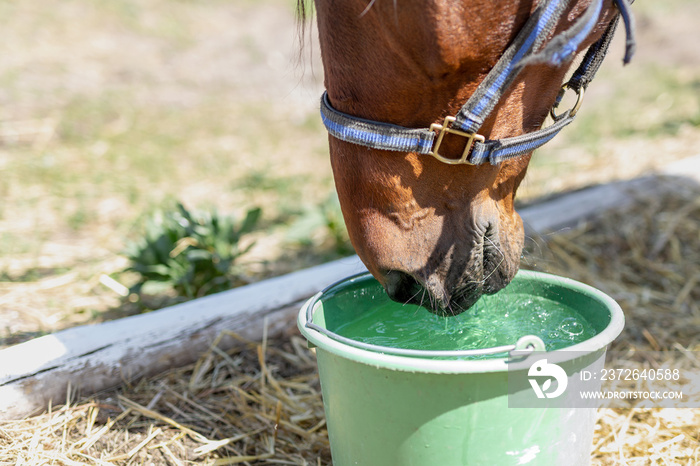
526, 49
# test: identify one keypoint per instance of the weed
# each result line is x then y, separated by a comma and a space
192, 253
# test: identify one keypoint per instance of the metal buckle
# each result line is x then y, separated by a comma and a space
574, 109
445, 128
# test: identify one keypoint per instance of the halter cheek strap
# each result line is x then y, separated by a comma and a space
526, 49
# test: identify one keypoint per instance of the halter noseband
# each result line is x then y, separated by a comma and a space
526, 49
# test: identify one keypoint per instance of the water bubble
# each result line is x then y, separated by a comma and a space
378, 327
571, 326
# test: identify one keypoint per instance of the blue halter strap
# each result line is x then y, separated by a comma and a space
526, 49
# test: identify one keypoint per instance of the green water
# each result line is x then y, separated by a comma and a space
364, 313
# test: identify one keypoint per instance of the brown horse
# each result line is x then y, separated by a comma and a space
436, 233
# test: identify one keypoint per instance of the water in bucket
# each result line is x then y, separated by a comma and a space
371, 317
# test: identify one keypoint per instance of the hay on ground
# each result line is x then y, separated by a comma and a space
257, 403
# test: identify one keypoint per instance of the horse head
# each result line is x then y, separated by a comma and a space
436, 233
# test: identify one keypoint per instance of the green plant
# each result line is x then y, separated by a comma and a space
192, 253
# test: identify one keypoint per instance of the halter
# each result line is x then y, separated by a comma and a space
526, 49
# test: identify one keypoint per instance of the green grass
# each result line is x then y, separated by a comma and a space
662, 102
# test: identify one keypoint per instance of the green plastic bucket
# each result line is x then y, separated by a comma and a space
388, 406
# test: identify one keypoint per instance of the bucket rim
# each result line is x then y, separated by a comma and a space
414, 363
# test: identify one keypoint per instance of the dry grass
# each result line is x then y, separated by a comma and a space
646, 256
260, 402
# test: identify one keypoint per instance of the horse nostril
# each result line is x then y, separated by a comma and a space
400, 286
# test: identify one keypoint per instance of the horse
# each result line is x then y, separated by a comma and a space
433, 108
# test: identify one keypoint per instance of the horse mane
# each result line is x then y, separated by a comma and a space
303, 13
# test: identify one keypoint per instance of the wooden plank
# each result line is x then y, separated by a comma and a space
92, 358
568, 209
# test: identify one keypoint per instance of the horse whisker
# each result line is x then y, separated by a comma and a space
503, 258
410, 300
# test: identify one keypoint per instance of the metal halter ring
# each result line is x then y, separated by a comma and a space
445, 127
574, 109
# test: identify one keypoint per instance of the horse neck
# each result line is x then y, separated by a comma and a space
405, 63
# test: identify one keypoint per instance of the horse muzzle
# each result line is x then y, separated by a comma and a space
456, 275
